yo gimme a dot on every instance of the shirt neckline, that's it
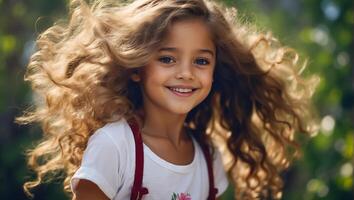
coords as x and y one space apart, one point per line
173 167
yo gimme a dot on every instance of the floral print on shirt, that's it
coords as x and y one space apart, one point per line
181 196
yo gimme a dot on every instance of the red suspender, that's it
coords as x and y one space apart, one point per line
137 190
212 190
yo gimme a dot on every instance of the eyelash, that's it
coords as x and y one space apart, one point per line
206 61
162 58
168 57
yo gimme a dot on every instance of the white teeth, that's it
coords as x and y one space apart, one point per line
182 90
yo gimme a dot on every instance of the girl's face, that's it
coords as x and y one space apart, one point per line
180 75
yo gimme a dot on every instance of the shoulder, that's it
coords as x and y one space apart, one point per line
117 133
113 141
216 154
221 180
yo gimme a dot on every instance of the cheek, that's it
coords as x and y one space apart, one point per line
207 78
155 75
149 72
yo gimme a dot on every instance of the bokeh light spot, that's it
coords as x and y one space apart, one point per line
327 125
346 170
330 9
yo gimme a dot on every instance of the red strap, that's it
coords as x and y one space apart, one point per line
137 190
212 190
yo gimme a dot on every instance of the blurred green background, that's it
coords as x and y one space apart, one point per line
321 30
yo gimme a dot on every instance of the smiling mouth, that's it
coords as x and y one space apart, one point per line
184 92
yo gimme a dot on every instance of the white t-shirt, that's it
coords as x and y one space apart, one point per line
109 162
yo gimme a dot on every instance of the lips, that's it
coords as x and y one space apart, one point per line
182 91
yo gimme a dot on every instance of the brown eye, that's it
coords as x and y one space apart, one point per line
166 59
202 61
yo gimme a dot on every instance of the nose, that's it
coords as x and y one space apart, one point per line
185 71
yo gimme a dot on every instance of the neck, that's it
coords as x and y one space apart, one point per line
165 125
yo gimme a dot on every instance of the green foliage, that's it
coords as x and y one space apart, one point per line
321 30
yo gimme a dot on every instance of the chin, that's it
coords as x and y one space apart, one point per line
181 111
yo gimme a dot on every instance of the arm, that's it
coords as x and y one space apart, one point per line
87 190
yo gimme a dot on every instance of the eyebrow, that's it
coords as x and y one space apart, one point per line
175 49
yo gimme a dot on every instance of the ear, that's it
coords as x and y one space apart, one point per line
135 76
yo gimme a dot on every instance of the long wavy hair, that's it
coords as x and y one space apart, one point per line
81 70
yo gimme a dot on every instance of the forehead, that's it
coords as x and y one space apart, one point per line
189 34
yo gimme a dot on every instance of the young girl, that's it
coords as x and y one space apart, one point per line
139 98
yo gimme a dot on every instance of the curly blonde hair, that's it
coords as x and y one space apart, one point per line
257 105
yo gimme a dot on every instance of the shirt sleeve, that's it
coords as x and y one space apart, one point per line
221 181
100 165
